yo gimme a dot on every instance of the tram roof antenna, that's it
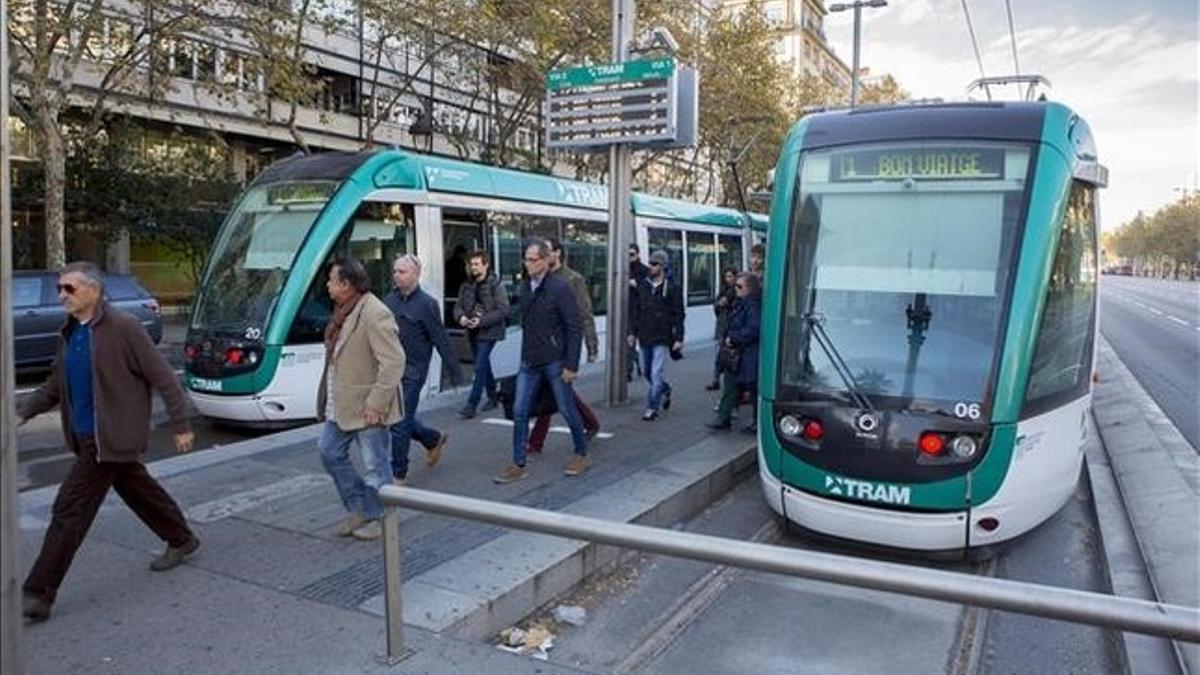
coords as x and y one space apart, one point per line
1032 83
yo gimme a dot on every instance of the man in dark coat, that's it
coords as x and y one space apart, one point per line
482 309
656 322
419 321
103 374
550 345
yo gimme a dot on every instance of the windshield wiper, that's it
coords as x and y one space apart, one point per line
816 324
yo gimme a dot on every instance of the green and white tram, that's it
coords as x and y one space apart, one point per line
929 322
253 350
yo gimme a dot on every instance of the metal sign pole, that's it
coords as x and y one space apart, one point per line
620 227
10 545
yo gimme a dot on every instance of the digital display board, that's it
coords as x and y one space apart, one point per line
918 163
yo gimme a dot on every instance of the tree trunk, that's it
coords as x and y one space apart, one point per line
54 157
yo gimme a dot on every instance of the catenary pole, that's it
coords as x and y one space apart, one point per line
10 595
620 227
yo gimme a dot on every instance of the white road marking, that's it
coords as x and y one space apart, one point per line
1177 320
1157 312
501 422
219 509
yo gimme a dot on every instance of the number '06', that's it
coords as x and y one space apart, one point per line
968 410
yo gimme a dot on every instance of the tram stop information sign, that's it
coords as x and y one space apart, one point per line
648 102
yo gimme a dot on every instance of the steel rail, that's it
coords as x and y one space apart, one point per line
1128 614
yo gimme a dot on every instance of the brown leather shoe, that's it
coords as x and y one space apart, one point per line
511 474
348 525
434 455
370 531
174 556
577 465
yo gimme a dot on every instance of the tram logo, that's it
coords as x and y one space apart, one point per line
867 422
867 491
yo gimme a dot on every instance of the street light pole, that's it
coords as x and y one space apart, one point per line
10 545
620 227
857 7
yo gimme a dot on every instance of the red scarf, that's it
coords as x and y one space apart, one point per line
334 329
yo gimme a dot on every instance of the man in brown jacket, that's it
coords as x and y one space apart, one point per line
359 396
102 376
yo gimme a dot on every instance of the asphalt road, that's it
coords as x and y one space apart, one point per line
1154 326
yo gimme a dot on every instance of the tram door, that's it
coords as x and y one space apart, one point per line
462 232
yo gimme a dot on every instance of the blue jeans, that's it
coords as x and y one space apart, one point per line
654 361
529 380
485 380
360 494
408 428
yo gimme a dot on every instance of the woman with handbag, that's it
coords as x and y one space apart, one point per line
738 355
722 305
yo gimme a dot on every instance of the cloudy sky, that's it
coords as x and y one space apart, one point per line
1130 68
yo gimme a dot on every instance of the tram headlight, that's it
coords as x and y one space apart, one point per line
964 447
790 426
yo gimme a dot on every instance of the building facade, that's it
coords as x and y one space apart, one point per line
800 39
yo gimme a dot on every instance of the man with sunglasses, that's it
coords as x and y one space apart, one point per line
103 374
656 321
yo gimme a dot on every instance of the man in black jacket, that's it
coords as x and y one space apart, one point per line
656 321
550 341
482 309
419 320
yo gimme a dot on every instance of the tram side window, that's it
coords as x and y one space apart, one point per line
586 243
509 232
729 252
1062 355
375 235
670 241
701 271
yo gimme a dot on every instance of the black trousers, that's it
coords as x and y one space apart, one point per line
79 500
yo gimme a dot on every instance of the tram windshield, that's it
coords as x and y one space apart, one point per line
900 260
254 252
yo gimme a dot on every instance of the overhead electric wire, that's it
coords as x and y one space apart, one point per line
1012 33
974 42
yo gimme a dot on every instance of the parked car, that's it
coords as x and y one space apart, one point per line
37 314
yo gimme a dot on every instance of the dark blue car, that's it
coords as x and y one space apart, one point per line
37 314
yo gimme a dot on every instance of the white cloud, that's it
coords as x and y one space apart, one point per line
1134 78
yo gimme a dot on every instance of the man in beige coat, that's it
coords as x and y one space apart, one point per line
359 395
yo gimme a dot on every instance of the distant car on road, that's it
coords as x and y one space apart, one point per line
37 314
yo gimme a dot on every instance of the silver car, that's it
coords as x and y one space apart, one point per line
38 316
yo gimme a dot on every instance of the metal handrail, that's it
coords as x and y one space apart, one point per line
1129 614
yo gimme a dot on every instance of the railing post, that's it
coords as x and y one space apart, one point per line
392 580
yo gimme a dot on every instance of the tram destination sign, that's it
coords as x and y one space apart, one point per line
648 102
610 73
957 163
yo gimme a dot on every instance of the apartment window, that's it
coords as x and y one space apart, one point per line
182 59
774 15
206 62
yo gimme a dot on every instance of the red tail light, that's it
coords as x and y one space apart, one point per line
931 443
235 357
191 352
813 430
